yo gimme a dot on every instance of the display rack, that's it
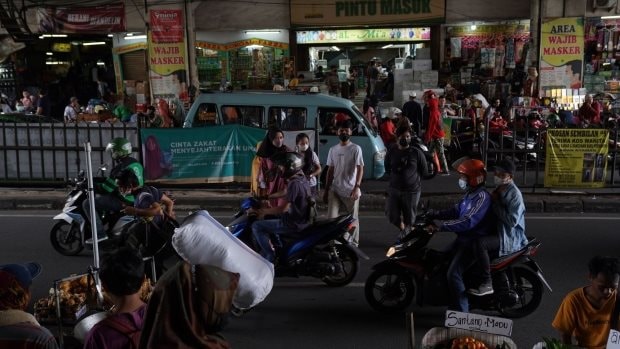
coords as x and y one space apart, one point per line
8 82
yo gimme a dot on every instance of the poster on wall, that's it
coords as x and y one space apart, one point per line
576 158
561 54
167 55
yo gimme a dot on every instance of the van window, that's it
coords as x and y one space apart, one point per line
243 115
288 118
206 115
329 118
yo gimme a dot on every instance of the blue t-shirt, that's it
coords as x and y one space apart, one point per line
147 196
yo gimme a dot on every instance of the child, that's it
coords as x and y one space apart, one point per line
312 165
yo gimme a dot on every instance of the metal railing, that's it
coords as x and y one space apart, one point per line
49 153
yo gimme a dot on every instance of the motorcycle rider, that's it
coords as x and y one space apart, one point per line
470 219
509 209
109 198
294 211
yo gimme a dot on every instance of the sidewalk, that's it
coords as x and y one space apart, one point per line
438 193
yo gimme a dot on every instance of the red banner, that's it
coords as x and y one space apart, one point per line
167 26
90 20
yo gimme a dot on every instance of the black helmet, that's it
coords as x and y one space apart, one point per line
291 161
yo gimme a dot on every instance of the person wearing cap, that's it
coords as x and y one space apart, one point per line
387 129
413 111
19 329
509 209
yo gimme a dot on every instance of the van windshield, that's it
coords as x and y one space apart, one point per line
360 116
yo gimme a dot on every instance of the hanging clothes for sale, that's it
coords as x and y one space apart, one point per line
455 47
510 54
487 58
498 70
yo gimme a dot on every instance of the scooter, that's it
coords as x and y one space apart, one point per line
322 250
413 271
68 236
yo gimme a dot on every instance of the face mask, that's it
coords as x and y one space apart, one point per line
277 143
403 142
462 183
302 147
344 137
500 181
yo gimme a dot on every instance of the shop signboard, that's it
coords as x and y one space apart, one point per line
84 20
200 155
576 158
561 54
364 35
241 43
321 13
167 55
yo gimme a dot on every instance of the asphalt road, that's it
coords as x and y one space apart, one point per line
303 313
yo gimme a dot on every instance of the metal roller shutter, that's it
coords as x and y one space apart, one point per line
134 65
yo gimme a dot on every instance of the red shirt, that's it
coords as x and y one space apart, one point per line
435 124
387 131
590 112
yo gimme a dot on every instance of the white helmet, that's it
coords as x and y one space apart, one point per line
394 112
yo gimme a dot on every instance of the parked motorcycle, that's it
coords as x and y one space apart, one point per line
69 234
321 250
413 271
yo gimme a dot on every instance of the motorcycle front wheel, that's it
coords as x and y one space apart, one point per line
529 290
389 290
349 264
66 238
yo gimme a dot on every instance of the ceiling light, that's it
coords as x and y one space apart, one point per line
93 43
335 48
134 37
53 36
386 46
263 31
610 17
473 26
110 35
49 53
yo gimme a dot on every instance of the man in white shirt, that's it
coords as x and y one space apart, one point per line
344 177
72 110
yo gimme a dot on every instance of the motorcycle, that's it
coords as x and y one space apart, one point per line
68 236
433 169
413 271
321 250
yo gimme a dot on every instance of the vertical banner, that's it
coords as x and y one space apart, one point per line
576 158
561 53
167 56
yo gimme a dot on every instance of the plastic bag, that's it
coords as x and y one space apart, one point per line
203 240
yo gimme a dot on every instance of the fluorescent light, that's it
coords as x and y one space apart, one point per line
110 35
335 48
263 31
53 36
134 37
610 17
100 63
49 53
386 46
92 43
56 62
254 47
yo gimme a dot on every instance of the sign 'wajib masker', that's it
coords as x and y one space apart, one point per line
330 12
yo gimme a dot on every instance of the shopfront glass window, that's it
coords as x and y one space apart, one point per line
288 118
206 115
329 118
242 115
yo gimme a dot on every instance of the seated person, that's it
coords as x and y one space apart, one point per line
294 210
151 205
19 329
122 275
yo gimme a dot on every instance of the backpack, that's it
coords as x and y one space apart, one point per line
126 329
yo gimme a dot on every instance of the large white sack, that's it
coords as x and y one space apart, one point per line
203 240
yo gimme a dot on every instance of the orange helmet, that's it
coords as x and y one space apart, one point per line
474 170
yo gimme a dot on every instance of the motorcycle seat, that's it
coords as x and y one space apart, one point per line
533 243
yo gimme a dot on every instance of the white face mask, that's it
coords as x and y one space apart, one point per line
462 183
302 147
500 181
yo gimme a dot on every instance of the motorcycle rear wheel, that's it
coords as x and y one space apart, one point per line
529 288
66 238
389 291
350 264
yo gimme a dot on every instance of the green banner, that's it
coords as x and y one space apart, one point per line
200 155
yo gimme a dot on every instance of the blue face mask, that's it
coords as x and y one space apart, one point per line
462 183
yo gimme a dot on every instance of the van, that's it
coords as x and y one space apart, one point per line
291 112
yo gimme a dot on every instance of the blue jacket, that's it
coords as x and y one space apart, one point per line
510 211
471 217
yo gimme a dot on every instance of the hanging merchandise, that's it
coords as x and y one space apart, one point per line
498 70
510 54
487 58
455 46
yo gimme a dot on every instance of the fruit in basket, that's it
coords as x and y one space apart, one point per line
467 342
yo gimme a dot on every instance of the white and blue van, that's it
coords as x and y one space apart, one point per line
290 112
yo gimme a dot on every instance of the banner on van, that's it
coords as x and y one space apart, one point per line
218 154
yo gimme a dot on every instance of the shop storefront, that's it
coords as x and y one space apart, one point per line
247 59
487 58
